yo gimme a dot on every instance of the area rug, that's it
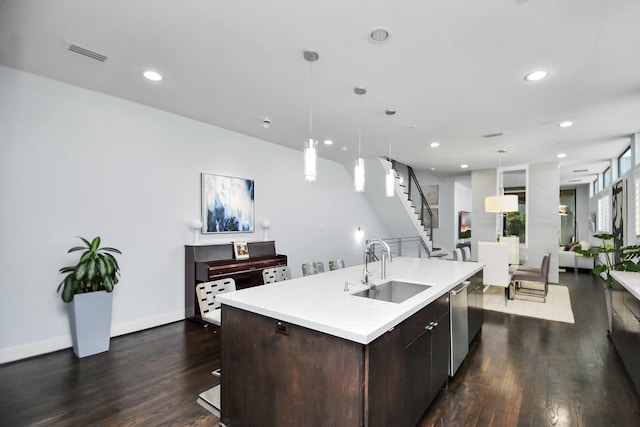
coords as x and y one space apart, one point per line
557 307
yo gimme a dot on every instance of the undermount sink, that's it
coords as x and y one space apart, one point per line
393 291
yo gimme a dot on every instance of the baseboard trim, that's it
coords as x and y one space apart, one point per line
50 345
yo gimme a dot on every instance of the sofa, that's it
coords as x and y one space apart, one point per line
568 258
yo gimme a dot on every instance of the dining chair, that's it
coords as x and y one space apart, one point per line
533 282
309 268
336 264
207 301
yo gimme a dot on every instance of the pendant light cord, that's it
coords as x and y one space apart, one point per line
360 127
310 100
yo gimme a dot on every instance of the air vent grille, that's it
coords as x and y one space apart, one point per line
86 52
575 180
580 170
492 135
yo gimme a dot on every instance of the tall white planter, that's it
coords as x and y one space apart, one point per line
90 316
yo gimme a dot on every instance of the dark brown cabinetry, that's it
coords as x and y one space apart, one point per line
204 263
625 330
475 298
426 356
293 375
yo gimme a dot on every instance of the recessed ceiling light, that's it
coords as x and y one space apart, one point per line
561 155
344 148
464 166
328 142
534 76
379 35
152 75
432 169
566 124
435 144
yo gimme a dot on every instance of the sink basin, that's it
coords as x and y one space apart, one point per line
393 291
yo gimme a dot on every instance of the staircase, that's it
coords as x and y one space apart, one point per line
407 213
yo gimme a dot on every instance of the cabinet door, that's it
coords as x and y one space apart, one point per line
417 378
440 346
631 321
617 323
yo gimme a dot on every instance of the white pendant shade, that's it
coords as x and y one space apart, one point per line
499 204
310 160
390 183
358 175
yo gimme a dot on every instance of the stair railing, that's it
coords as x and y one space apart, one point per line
424 210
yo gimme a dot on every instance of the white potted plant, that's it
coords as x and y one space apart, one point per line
87 287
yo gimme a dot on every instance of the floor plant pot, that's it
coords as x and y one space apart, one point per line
90 315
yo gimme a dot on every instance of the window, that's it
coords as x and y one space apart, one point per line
515 222
595 188
604 214
624 162
567 212
606 177
636 203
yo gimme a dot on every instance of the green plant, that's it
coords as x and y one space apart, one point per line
625 258
96 270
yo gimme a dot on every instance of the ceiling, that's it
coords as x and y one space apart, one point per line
452 69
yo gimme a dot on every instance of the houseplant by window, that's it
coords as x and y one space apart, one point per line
87 286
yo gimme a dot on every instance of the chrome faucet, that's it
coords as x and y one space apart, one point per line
383 268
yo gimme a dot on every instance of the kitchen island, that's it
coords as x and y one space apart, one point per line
309 352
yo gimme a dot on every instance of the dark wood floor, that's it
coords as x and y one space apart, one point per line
519 372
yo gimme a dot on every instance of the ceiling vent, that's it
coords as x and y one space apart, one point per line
87 52
580 170
493 135
575 180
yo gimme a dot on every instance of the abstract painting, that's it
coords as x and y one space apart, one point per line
619 217
227 204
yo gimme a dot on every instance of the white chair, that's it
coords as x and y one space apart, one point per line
210 312
207 301
514 249
495 256
336 265
319 266
276 274
309 268
269 275
457 254
466 253
283 273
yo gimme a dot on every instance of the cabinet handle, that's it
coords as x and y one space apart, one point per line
429 326
461 288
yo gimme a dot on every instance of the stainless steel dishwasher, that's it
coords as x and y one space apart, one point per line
458 312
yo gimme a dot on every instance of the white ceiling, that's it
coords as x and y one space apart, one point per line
452 69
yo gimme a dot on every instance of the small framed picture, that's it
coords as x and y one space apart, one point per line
241 250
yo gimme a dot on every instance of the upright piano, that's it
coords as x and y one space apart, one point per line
204 263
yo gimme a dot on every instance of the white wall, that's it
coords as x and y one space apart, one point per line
543 195
463 202
445 236
79 163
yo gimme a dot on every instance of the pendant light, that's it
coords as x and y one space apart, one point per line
310 145
390 179
501 202
358 172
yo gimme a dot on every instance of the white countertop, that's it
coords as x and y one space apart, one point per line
319 301
630 280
